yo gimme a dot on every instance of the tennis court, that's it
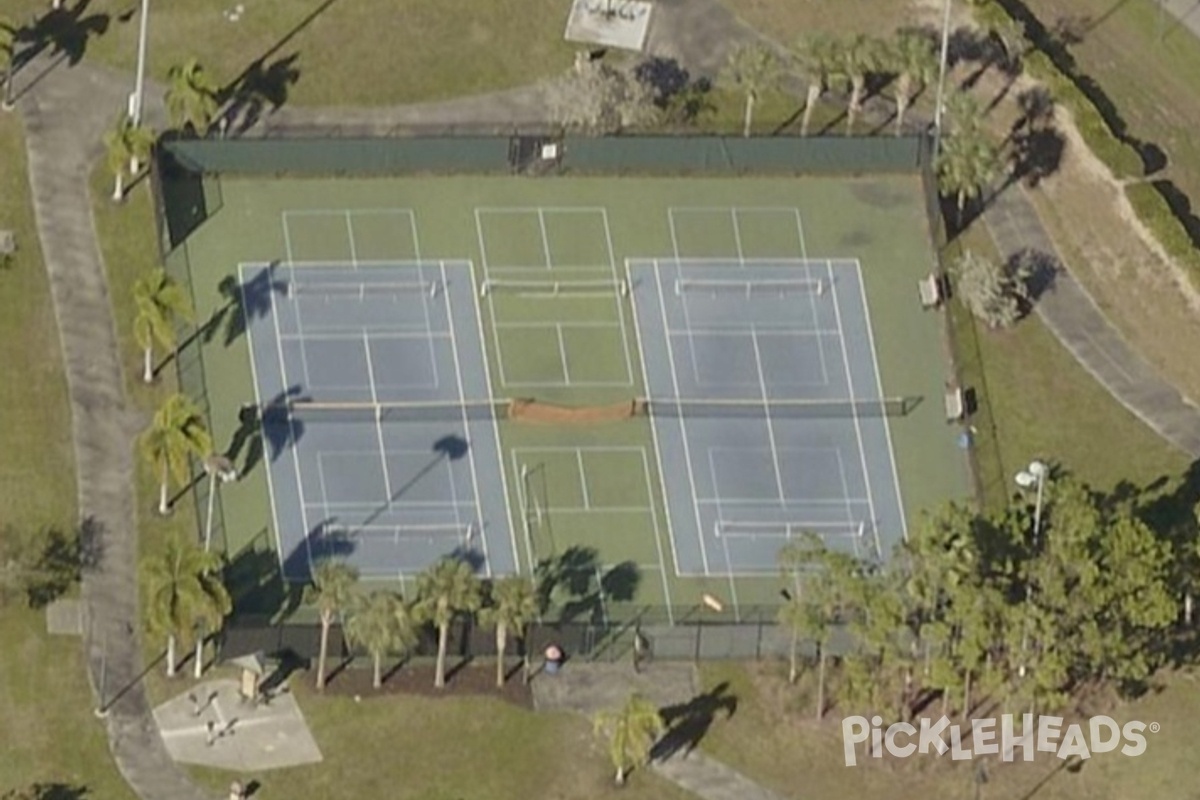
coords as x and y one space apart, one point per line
767 409
377 411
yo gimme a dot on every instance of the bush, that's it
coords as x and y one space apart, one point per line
1154 212
1120 157
995 293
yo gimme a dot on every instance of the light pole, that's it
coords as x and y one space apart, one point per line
941 85
1033 475
136 99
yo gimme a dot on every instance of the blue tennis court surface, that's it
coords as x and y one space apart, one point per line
355 474
740 483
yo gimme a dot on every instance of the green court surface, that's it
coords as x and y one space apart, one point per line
557 322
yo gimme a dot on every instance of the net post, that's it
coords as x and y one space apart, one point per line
433 288
483 288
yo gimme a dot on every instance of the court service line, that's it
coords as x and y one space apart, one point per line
562 354
862 453
616 274
259 405
462 398
357 335
762 331
887 428
587 501
350 233
387 478
812 303
543 325
545 238
598 448
662 565
737 236
305 534
687 451
787 501
637 330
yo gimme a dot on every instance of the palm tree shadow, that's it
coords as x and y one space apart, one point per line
59 791
247 436
688 723
63 31
578 585
279 428
262 89
244 303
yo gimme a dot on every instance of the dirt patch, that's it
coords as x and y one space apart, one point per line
471 680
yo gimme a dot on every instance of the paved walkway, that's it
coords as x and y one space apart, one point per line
65 115
1081 326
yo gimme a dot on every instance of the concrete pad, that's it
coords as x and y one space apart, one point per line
609 23
64 618
591 687
242 737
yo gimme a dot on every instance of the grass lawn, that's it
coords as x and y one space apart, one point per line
49 734
323 44
772 737
448 749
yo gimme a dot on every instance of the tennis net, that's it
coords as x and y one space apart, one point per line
359 289
307 411
550 288
778 409
749 288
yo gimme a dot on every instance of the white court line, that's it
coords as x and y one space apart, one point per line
412 224
561 384
357 335
687 452
387 479
287 237
862 454
544 325
545 238
415 504
350 233
491 308
637 331
306 532
674 237
762 384
762 331
612 264
466 424
429 332
598 448
773 504
812 302
662 565
562 354
587 501
737 236
526 526
258 402
737 610
300 337
887 428
482 246
841 464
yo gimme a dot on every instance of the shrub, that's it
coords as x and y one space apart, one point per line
995 293
1154 212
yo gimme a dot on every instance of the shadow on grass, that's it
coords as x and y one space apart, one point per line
688 723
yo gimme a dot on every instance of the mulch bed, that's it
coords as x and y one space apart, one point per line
471 679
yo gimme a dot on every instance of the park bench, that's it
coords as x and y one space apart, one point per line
930 288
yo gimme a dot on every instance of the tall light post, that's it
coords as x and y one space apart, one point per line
136 99
1033 475
941 84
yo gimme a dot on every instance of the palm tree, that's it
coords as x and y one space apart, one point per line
176 433
445 590
856 59
375 623
191 97
331 591
127 145
967 163
915 64
631 731
811 58
183 590
751 69
513 606
159 302
8 40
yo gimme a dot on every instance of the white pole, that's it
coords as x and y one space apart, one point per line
212 493
135 102
941 86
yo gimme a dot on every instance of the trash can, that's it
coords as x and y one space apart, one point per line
554 659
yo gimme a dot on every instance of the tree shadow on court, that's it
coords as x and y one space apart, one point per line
576 584
324 542
244 302
446 448
279 429
688 723
248 437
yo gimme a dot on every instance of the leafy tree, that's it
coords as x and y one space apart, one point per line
597 98
513 606
751 69
966 165
811 58
160 303
176 433
962 115
38 565
183 588
913 60
631 732
331 591
993 292
445 590
191 97
8 40
375 623
857 58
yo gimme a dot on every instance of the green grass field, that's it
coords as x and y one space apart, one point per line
597 486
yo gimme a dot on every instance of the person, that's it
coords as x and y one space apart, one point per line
237 791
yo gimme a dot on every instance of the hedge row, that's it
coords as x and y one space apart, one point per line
1122 158
1154 212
